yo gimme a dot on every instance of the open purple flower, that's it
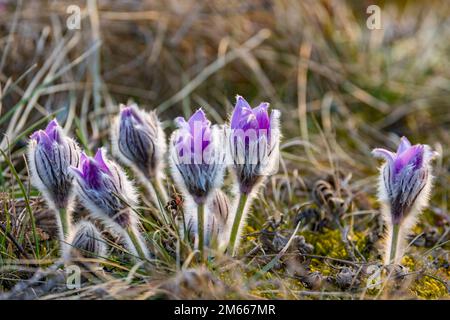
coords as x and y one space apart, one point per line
404 187
253 143
139 141
405 177
105 189
245 118
197 156
50 154
197 163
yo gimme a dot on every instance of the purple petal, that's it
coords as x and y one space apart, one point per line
51 126
206 137
52 130
83 158
126 112
183 143
100 161
403 146
249 123
77 171
181 123
262 116
384 154
131 112
44 140
241 103
36 136
241 110
90 171
198 116
413 155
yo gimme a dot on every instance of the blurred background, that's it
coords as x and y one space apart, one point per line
344 86
317 61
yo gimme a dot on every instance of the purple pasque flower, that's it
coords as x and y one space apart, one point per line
405 179
197 156
50 154
253 143
105 190
194 137
85 241
245 118
139 141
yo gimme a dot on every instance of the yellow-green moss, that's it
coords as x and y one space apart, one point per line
429 288
329 243
408 262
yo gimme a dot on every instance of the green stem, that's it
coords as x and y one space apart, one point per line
200 229
237 222
65 223
137 245
394 243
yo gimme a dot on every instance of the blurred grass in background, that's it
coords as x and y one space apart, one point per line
343 89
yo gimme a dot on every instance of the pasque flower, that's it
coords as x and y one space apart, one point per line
253 147
85 242
253 143
105 190
197 161
139 141
404 187
50 154
217 214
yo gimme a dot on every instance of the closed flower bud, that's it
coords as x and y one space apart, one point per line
404 187
217 214
50 154
139 141
197 156
253 143
85 241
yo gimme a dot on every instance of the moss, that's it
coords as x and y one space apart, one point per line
318 265
329 243
429 288
250 230
408 262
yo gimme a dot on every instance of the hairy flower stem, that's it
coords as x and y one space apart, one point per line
137 245
158 197
394 243
65 222
200 230
160 192
237 222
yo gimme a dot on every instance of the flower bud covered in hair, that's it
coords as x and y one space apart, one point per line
404 188
139 141
85 241
50 154
105 190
